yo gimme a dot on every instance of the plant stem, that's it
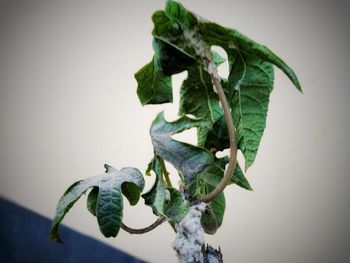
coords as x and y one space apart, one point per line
232 137
130 230
165 172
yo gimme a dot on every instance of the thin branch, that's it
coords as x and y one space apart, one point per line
130 230
232 136
165 172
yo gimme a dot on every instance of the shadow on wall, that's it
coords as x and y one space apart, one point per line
24 237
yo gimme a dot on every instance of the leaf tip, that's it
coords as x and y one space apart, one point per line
292 76
300 89
54 234
109 169
57 240
297 85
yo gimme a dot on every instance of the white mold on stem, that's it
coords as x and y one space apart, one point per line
213 70
190 236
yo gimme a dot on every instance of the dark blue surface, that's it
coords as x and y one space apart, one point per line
24 238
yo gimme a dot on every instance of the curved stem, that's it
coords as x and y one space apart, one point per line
233 147
130 230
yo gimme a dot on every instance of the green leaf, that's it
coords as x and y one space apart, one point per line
171 60
129 190
232 40
252 79
239 179
109 169
188 159
173 24
214 173
197 96
149 168
247 90
171 31
218 206
165 28
132 189
177 12
178 27
176 209
109 203
217 138
155 197
214 214
153 86
91 203
251 72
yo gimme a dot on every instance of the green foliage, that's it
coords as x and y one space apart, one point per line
153 86
164 200
155 197
253 78
105 201
214 214
197 96
188 159
170 59
176 208
232 40
213 174
91 201
182 41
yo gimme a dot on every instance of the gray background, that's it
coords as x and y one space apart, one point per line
68 105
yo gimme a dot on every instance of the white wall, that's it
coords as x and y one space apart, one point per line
68 105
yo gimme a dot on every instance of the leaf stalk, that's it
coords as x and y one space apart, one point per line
232 137
130 230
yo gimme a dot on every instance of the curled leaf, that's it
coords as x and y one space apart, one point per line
107 204
155 197
214 214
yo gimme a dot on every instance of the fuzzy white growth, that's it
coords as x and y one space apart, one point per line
213 70
238 85
212 259
202 50
167 195
197 44
190 236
